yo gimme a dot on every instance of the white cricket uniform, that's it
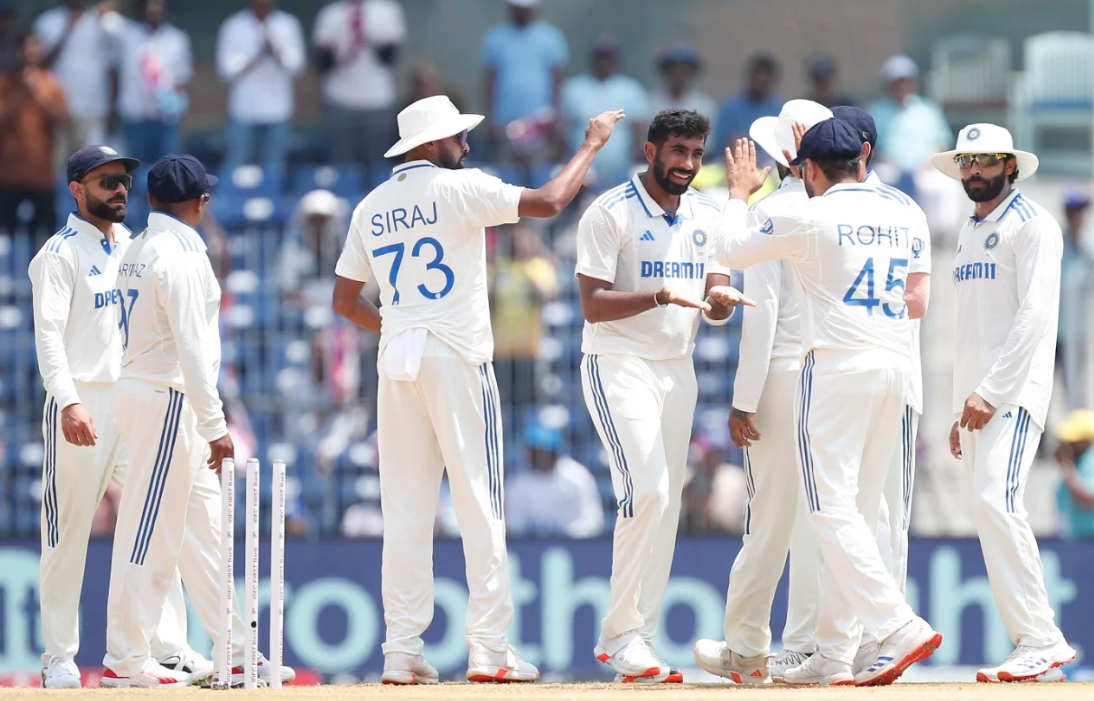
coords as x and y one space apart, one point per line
79 354
850 250
1007 273
639 381
168 409
766 384
422 235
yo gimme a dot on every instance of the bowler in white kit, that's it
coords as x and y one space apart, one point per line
1007 274
76 337
422 235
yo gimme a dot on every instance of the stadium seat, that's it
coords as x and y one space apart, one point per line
345 181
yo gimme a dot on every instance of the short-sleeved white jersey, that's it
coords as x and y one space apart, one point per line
625 238
74 278
170 317
1007 274
422 234
851 249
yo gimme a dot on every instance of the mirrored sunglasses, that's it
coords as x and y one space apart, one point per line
984 160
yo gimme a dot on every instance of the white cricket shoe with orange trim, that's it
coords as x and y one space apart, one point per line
715 657
486 665
153 676
401 669
1028 662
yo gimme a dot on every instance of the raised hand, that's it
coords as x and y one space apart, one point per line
742 178
600 128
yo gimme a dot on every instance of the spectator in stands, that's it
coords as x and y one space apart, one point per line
523 61
822 80
741 109
910 127
554 495
32 112
155 65
679 66
10 49
80 51
1077 270
425 82
605 88
260 51
522 279
1075 496
357 42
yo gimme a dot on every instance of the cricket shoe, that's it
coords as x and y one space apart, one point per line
265 670
629 656
153 676
866 655
61 674
787 659
486 665
715 657
1028 662
913 642
818 670
668 675
1053 675
191 662
402 669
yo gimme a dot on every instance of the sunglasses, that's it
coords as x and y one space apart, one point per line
112 181
984 160
462 138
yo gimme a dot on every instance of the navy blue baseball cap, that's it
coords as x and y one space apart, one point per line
681 53
179 179
860 120
89 158
832 139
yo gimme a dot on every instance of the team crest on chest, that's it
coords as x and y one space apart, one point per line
699 237
992 241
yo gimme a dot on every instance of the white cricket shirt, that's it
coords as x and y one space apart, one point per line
170 311
74 278
422 234
770 334
850 249
84 63
352 29
1007 273
625 238
264 93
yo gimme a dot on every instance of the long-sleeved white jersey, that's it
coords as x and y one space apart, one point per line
770 334
74 278
170 310
1007 273
850 250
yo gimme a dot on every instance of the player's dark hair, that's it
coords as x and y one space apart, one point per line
835 169
782 170
763 63
677 123
1013 176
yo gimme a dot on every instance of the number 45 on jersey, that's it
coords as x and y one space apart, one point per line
866 277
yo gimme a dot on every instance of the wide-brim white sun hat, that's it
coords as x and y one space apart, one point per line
985 138
430 119
776 134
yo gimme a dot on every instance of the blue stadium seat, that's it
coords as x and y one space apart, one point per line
346 181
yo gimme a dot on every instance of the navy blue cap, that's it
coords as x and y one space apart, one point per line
820 65
179 179
605 46
681 53
89 158
860 120
832 139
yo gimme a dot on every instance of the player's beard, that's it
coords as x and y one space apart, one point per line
452 161
112 210
661 175
990 191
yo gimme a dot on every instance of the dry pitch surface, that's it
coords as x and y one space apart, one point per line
598 692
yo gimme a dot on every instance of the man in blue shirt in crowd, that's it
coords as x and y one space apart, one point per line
1075 497
744 107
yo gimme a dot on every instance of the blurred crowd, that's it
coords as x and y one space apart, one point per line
120 72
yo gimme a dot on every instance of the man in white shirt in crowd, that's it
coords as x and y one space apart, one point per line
762 423
422 235
155 65
646 271
1007 274
79 355
851 390
260 51
555 495
172 421
357 42
80 52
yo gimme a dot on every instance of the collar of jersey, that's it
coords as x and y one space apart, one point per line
411 165
83 226
162 221
848 187
788 181
997 213
653 209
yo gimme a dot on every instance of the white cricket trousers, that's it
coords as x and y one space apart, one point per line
848 415
774 508
169 518
997 461
74 479
643 411
896 508
449 418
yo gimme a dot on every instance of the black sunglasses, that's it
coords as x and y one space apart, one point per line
112 181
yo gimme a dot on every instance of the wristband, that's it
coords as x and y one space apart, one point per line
656 303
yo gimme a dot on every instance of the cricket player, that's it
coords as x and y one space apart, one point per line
851 388
76 337
421 234
645 266
762 423
1007 274
172 421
